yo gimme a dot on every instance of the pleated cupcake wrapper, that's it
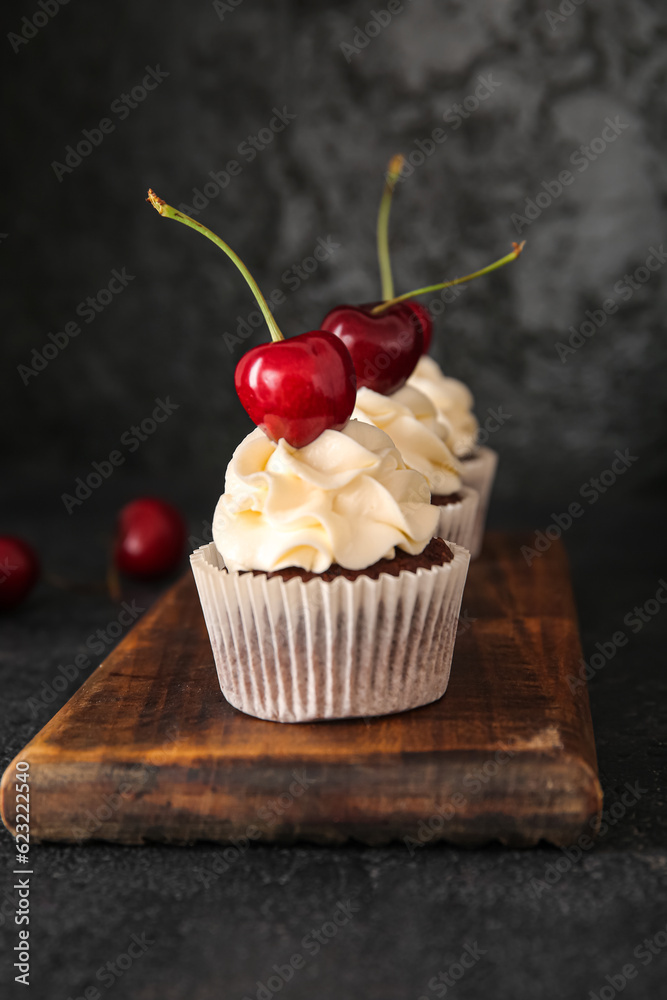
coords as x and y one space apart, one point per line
292 651
479 473
457 520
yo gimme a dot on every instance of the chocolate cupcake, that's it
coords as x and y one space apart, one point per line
310 611
324 591
454 402
411 421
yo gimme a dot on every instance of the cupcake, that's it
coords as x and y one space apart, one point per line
389 341
324 591
453 402
411 421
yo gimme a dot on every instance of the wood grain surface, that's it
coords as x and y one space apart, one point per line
149 750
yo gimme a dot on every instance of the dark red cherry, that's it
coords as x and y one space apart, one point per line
150 538
426 320
385 348
297 388
19 570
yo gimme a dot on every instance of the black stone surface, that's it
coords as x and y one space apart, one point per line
217 932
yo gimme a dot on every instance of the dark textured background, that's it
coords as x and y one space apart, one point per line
322 176
163 336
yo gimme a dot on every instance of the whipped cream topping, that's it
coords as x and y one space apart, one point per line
411 421
453 402
346 498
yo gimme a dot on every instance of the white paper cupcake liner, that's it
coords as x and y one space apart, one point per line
457 520
478 473
291 651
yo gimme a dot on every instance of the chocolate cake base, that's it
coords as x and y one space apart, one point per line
443 500
436 553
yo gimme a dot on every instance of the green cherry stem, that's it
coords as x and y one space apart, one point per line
393 173
507 259
172 213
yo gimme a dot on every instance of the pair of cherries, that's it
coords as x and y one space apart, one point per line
376 345
295 389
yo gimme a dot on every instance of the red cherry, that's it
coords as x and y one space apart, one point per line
293 389
299 387
385 348
426 320
150 538
19 570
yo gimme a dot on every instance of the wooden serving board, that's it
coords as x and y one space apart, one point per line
149 750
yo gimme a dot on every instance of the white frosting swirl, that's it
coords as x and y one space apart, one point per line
453 401
411 421
347 498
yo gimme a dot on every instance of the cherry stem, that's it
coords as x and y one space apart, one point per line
391 177
172 213
518 247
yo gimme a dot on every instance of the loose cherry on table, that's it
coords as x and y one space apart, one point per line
19 570
150 538
293 389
